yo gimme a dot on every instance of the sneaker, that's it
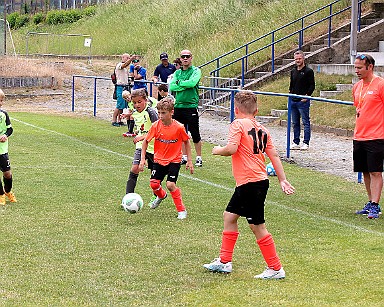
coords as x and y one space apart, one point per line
115 124
11 196
271 274
295 146
217 266
305 146
2 200
374 211
182 215
127 135
183 161
365 210
199 162
156 202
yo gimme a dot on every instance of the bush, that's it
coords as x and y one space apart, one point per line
89 11
38 18
11 18
72 16
55 17
22 20
16 20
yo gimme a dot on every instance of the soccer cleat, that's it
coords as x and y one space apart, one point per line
154 204
182 215
128 134
183 161
115 124
295 146
199 162
304 146
374 211
365 210
2 200
271 274
217 266
11 196
152 200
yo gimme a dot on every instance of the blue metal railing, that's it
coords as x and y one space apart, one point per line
273 41
232 96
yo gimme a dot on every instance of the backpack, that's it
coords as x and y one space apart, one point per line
113 77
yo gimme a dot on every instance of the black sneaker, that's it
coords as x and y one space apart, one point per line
199 162
183 161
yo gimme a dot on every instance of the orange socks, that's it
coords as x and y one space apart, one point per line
268 250
227 245
157 188
178 201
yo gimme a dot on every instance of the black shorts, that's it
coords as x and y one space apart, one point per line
5 164
248 200
137 158
189 117
368 156
160 171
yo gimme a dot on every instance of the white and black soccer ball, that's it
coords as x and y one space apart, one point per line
132 202
270 170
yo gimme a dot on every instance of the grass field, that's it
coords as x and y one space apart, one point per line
68 243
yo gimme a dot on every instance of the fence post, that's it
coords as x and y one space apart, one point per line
289 116
94 96
73 93
273 51
232 113
242 73
330 25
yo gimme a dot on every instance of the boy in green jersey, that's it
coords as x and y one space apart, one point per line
5 165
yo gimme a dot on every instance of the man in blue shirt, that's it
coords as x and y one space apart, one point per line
163 70
138 73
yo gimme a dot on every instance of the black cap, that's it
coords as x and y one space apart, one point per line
163 56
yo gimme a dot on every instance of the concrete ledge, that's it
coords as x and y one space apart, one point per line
11 82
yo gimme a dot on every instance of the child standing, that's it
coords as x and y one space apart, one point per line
169 136
5 165
143 117
128 116
247 142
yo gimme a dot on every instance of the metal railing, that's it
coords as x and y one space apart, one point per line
231 102
271 36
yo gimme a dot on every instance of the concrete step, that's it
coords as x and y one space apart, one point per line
369 21
381 46
333 40
342 34
278 113
314 47
286 61
327 94
344 87
267 119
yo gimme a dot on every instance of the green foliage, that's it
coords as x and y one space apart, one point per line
67 242
89 11
16 20
38 18
11 18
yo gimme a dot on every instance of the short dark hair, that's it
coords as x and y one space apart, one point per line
368 59
163 87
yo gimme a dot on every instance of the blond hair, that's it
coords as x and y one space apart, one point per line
139 93
126 95
246 102
166 104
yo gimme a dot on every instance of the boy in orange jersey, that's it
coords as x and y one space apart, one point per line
169 136
247 142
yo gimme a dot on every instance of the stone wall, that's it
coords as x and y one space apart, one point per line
10 82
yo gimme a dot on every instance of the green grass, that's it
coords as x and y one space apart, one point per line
67 242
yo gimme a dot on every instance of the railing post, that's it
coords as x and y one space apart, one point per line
359 18
73 93
359 177
246 59
94 96
273 51
330 25
301 40
217 73
232 113
242 72
150 89
289 116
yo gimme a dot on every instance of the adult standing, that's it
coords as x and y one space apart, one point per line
121 72
138 73
163 71
302 82
185 86
368 139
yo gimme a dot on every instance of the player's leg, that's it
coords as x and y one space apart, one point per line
157 176
173 174
5 166
134 172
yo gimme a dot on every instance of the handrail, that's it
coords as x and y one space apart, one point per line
215 72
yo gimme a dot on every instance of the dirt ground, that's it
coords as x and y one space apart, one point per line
327 153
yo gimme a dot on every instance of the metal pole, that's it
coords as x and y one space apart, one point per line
353 39
73 93
94 97
5 27
289 127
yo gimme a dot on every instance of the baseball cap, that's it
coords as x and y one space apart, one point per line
163 56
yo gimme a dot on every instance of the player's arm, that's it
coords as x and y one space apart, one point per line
188 150
278 166
227 150
192 81
174 85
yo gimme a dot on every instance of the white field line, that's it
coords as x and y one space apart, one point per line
311 215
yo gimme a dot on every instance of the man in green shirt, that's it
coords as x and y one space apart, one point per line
185 85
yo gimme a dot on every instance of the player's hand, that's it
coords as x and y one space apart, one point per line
3 138
287 187
141 166
137 139
189 166
215 150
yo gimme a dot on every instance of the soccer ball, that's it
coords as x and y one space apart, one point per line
132 202
270 170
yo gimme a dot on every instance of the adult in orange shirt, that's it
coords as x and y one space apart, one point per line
368 140
169 136
247 142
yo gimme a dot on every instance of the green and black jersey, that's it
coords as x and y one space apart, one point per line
5 128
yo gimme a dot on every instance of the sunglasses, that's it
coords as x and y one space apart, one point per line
186 56
364 57
135 61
